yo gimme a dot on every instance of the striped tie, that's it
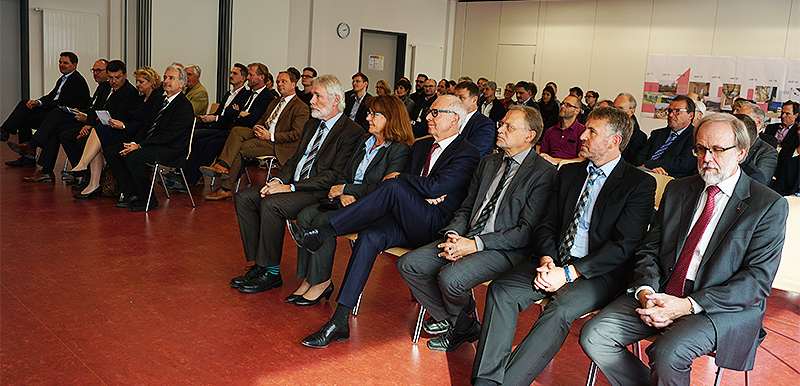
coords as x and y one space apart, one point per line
250 99
569 238
664 147
274 113
158 116
305 172
487 210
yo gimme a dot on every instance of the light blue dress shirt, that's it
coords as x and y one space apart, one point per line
581 246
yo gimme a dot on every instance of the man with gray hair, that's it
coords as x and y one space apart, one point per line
195 91
407 210
702 272
488 235
761 153
627 103
597 212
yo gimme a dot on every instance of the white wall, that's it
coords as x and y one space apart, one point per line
603 44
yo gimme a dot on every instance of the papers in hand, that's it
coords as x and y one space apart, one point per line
70 110
103 116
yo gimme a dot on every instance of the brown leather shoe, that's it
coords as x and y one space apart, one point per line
219 195
22 148
40 177
215 170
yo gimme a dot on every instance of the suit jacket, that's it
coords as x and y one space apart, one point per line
117 104
787 174
74 93
497 112
226 116
765 157
289 127
635 145
677 160
99 96
738 266
172 131
790 140
393 158
520 210
530 103
481 132
258 107
620 216
198 96
331 157
449 175
752 171
769 139
361 114
421 108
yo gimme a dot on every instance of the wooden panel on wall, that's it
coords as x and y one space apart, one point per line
480 36
518 22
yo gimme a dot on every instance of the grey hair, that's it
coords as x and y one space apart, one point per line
617 123
196 69
756 112
455 104
181 73
490 83
739 130
332 86
533 119
631 99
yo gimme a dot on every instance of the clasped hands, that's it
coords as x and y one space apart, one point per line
549 276
274 186
659 309
129 147
456 247
261 132
338 191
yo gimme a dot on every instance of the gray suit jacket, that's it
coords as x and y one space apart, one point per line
765 157
737 269
521 209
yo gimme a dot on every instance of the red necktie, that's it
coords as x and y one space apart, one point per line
677 280
427 166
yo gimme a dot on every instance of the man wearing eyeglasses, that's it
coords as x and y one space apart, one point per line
669 150
562 141
419 88
407 209
702 272
309 73
421 106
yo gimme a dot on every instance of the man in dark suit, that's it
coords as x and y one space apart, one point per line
785 132
762 154
476 128
702 272
419 113
328 141
222 118
787 172
407 209
419 89
487 236
669 150
526 94
70 90
627 103
600 211
277 133
356 100
164 138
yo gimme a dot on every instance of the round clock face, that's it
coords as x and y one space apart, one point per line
343 30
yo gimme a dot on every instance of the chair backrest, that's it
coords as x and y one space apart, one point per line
213 108
566 161
661 183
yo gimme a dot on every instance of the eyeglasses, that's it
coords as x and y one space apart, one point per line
716 151
373 114
435 112
500 125
675 111
304 76
96 70
570 105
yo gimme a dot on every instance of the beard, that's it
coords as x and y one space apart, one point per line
321 112
715 176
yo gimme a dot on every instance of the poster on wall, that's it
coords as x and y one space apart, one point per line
375 62
718 81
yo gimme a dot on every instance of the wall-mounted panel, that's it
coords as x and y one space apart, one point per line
480 37
514 63
519 21
740 33
676 31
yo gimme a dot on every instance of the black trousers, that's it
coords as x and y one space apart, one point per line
131 171
23 120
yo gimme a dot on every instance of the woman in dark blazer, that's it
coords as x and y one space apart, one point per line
385 151
491 106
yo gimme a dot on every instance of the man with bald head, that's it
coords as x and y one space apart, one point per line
761 153
627 103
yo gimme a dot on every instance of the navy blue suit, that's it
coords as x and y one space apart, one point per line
398 213
481 132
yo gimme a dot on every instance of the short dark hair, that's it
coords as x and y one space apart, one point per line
313 71
577 90
362 76
294 74
689 102
242 68
452 83
795 106
528 86
71 55
472 88
593 94
116 66
555 86
422 75
404 84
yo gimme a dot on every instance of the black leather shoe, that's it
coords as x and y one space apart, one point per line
141 206
431 326
4 135
92 194
260 283
303 302
309 239
452 339
127 202
292 298
67 175
22 162
327 334
252 271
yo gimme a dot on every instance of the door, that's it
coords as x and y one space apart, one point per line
382 56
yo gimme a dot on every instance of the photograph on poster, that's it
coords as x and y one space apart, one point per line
730 91
700 88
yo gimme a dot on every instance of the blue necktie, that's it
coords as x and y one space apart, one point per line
664 147
305 172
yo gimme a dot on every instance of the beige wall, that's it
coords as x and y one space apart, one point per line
603 44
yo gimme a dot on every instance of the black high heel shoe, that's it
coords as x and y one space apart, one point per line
92 194
293 298
303 302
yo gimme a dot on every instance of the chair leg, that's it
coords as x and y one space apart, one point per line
747 378
186 184
163 183
418 327
66 163
238 181
358 303
477 317
246 173
152 184
718 377
592 377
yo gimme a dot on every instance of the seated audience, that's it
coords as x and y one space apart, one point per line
703 292
488 235
408 209
580 270
669 150
785 130
277 133
328 141
627 103
419 92
421 107
386 150
787 174
475 127
491 106
563 141
163 138
763 155
402 91
578 93
195 91
591 98
548 107
441 87
222 118
748 166
356 100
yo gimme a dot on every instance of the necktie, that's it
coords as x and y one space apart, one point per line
354 110
60 85
158 116
487 210
275 113
427 166
677 280
108 98
569 238
664 147
306 170
250 99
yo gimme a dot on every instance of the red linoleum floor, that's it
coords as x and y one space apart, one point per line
95 295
